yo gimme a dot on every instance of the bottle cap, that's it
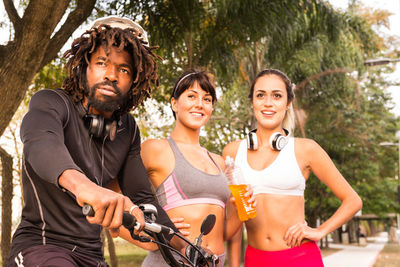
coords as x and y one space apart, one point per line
229 161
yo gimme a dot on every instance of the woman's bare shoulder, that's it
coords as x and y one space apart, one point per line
305 144
155 145
231 149
307 149
158 159
155 150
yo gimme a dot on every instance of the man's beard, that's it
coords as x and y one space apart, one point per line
109 103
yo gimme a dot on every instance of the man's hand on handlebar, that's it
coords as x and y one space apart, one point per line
109 215
137 213
108 205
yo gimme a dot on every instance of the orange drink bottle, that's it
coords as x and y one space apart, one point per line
238 186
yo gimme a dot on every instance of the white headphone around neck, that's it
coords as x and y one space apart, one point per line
277 140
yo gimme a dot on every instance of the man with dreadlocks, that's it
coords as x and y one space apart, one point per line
80 139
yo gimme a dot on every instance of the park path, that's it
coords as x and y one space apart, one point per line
356 256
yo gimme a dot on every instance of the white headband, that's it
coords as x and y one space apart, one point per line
184 77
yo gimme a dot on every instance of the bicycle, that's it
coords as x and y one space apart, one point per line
195 256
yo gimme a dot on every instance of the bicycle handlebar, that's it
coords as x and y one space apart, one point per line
157 231
130 222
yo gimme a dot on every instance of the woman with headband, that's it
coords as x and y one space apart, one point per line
277 166
189 180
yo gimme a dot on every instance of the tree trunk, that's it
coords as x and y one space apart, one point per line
6 207
35 44
336 236
111 249
372 228
351 226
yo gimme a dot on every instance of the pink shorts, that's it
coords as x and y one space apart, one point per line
307 255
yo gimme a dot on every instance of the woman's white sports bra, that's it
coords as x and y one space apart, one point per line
281 177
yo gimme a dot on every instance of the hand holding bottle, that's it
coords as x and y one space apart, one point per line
238 189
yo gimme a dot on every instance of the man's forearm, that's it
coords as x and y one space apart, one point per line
71 180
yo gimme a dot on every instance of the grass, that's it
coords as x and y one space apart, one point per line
389 256
128 254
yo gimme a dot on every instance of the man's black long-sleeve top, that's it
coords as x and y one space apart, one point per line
55 139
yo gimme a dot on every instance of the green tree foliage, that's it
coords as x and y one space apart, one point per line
50 76
349 116
349 125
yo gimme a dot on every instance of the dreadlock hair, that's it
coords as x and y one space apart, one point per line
143 58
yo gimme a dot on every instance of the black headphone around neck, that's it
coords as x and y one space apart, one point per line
277 140
97 125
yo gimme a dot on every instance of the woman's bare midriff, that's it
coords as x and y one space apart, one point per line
194 215
275 214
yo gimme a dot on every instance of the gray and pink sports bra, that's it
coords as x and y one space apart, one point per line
187 185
